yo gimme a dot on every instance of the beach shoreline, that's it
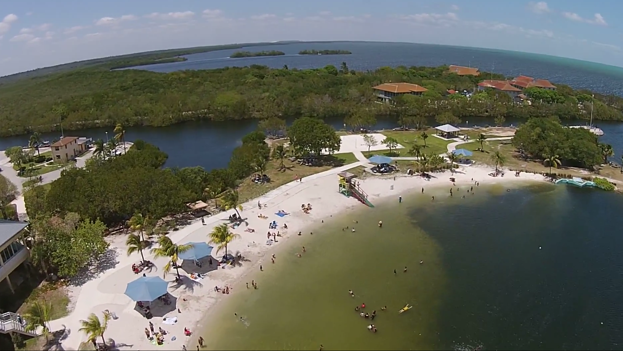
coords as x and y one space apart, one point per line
198 303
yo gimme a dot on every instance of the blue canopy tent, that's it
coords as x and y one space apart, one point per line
378 159
462 152
196 251
146 289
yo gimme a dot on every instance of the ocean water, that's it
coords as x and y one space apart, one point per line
372 55
537 267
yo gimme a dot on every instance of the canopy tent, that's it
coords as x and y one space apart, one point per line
146 288
462 152
378 159
197 251
196 206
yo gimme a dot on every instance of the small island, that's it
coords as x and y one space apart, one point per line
325 52
239 54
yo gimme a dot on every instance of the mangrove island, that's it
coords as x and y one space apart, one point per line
240 54
324 52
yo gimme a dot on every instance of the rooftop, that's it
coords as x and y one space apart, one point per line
400 88
9 229
464 71
527 82
64 141
447 128
498 85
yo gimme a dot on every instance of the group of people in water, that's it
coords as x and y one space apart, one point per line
363 314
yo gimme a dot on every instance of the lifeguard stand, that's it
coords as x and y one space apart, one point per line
348 186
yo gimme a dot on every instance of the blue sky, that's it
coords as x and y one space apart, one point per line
42 33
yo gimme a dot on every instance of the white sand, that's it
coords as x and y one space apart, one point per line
106 291
353 143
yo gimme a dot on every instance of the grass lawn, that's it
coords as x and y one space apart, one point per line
249 190
54 294
407 139
39 170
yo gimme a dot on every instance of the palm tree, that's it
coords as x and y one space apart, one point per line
498 159
93 327
100 147
453 158
280 154
138 222
553 161
120 134
231 200
606 151
38 315
35 141
169 249
415 150
481 139
135 243
260 165
424 136
112 146
221 236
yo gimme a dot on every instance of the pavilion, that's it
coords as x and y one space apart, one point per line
448 131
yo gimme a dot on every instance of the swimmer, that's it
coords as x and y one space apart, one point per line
304 249
363 305
352 294
405 270
298 255
394 272
384 308
421 261
380 224
433 198
352 230
357 308
300 233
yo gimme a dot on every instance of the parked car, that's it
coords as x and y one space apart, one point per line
383 168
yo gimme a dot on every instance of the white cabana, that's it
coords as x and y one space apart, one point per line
448 131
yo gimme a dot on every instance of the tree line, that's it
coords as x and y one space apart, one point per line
97 96
239 54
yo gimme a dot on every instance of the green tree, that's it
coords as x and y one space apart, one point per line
370 141
391 143
280 153
35 141
231 200
424 136
37 316
138 222
360 118
221 236
260 165
8 191
452 157
273 126
606 151
93 327
99 148
552 160
344 68
499 121
498 159
311 135
34 200
135 244
481 139
416 150
447 118
167 248
120 135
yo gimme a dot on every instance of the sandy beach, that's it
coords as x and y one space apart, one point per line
104 289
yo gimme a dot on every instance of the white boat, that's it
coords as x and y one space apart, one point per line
591 127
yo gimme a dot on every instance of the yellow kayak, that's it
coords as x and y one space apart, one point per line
406 308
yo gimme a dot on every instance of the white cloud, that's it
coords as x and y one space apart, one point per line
289 19
435 19
74 29
455 8
5 25
40 28
112 21
22 37
263 17
171 15
207 13
597 19
608 46
539 8
34 40
10 18
26 30
324 13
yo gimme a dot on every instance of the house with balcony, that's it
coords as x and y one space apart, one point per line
523 82
12 255
464 71
500 85
68 148
386 91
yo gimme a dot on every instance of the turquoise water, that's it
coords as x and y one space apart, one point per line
533 268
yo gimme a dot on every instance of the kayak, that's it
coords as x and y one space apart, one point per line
406 308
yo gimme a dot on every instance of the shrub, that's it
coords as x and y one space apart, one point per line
604 184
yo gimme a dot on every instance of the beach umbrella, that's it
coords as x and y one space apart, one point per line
462 152
146 288
378 159
196 251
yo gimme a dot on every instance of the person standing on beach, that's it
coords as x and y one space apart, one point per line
261 268
200 341
422 190
399 199
151 326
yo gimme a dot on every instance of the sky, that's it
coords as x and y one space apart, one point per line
36 33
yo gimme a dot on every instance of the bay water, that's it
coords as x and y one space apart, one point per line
534 267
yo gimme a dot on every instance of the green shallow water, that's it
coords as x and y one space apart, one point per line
484 281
